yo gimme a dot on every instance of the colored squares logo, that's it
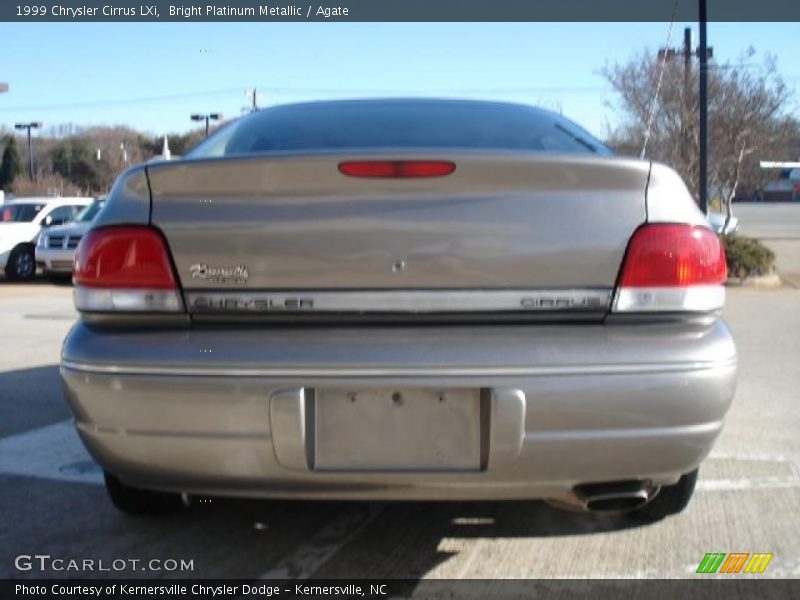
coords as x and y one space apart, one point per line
734 562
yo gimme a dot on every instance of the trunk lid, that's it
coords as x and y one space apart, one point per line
500 223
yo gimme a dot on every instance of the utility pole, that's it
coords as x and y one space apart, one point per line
29 126
252 97
703 53
687 63
704 56
686 124
687 53
3 89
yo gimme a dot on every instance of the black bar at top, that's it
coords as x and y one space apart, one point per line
397 10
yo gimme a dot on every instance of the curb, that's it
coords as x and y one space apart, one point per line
772 280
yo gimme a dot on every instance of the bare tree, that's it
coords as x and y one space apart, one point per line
749 120
46 185
71 159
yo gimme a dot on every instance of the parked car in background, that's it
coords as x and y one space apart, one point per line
22 221
401 299
55 251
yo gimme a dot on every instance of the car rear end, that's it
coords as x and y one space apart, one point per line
431 322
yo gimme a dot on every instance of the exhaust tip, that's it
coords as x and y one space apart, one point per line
617 503
620 496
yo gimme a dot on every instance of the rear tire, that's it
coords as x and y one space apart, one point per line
136 501
21 265
670 500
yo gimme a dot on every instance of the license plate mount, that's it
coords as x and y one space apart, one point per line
397 430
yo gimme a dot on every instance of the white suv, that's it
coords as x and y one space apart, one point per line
21 222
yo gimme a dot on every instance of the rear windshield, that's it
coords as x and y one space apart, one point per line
338 126
20 213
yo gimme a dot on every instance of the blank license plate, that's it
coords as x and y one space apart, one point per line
397 430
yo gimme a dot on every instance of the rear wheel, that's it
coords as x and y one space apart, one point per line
137 501
670 500
21 264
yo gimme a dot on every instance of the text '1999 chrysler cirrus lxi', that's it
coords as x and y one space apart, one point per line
402 300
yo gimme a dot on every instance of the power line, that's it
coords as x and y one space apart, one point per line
299 91
654 103
518 90
119 101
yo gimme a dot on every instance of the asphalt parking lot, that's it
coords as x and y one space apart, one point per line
748 496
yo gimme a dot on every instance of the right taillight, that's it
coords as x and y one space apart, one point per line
125 268
672 267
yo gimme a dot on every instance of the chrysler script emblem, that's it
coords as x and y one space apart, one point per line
219 274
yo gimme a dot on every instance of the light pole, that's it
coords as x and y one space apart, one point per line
208 117
29 126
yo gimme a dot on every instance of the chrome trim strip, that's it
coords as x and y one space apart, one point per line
669 299
396 301
88 299
91 428
598 434
337 372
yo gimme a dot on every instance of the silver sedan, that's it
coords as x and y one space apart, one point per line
401 299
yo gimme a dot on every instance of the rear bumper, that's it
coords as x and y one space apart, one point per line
55 260
230 411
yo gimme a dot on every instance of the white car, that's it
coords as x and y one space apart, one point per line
55 251
22 221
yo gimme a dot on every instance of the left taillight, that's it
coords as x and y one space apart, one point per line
125 268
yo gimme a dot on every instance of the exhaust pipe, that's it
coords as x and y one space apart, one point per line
616 496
